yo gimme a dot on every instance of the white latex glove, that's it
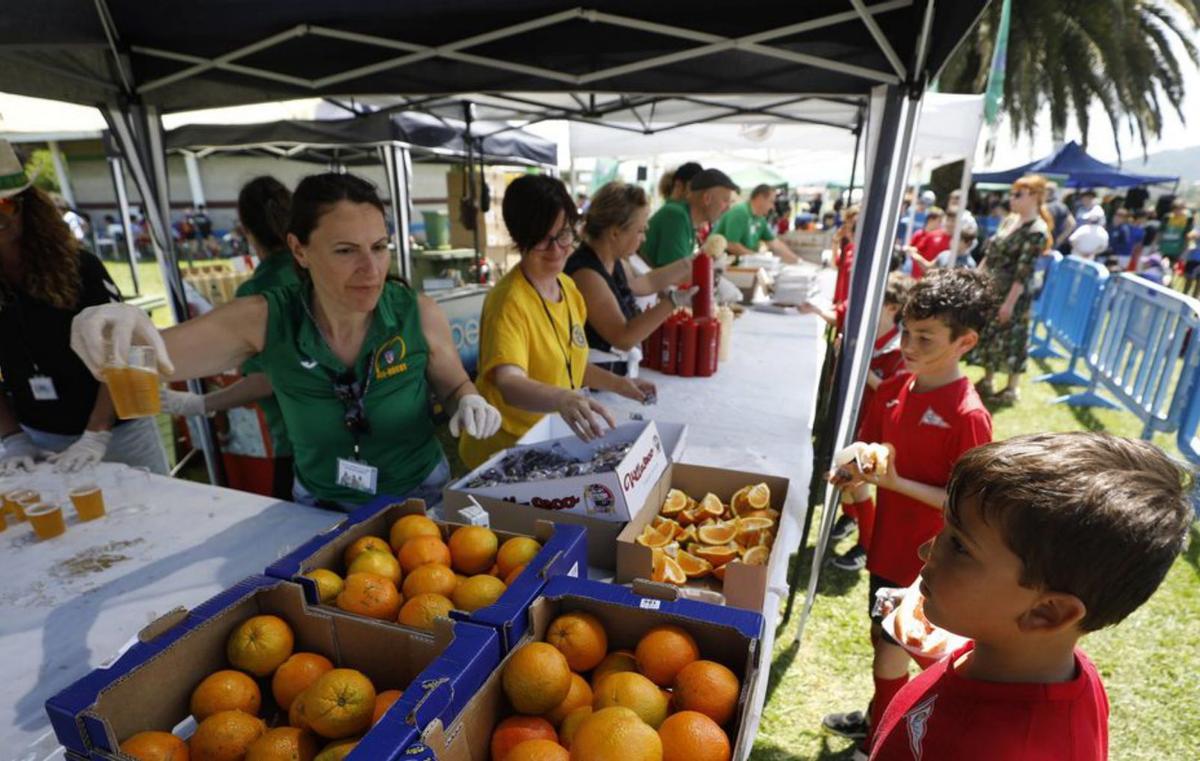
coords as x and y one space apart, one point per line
18 453
182 403
109 330
475 417
681 298
87 450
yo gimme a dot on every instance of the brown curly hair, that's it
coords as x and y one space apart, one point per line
49 252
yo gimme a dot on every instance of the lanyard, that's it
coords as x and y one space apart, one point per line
566 350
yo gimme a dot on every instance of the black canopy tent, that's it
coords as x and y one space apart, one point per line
613 61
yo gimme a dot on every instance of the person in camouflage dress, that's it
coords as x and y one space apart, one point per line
1011 257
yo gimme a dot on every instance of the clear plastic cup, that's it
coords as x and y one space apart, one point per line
89 501
133 386
22 500
47 520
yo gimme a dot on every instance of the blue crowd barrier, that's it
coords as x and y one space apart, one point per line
1069 313
1039 346
1143 351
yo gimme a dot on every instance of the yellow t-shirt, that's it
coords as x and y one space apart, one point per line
516 330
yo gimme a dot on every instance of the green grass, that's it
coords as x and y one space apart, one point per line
1149 662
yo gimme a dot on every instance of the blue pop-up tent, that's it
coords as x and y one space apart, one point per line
1079 169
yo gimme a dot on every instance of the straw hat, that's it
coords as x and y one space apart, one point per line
13 178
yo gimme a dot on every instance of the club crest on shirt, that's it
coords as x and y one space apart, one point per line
389 358
932 418
578 337
917 720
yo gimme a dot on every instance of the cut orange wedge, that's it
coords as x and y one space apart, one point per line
712 505
687 534
718 556
756 555
750 531
676 501
739 503
666 526
759 496
651 537
689 517
768 513
665 569
692 566
719 572
717 533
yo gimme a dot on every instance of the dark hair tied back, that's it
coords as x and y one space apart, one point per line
316 193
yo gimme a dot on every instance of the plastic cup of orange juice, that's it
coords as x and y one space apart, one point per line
133 385
3 522
88 501
47 520
22 500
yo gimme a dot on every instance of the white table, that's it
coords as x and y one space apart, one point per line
71 603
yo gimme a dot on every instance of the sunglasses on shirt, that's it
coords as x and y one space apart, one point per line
348 392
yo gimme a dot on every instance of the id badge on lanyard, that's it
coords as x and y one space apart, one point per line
357 475
42 387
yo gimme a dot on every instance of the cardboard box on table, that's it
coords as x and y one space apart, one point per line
745 586
150 685
563 552
729 636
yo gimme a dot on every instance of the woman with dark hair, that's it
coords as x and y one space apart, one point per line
613 230
351 355
264 205
51 405
532 346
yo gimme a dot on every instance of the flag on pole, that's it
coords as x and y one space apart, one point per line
994 95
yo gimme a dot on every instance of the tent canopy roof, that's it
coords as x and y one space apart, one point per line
1078 168
603 59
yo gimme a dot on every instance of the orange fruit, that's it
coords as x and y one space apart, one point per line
369 595
738 502
225 736
663 652
719 572
615 734
717 533
420 611
515 730
259 644
614 663
667 526
383 701
432 577
478 592
709 688
653 538
675 503
757 555
718 556
513 574
767 513
329 584
536 678
692 736
155 746
663 568
712 505
635 692
411 526
379 563
336 751
283 744
339 704
226 690
580 637
363 544
473 549
578 696
570 725
518 551
750 531
295 675
420 550
759 497
692 566
538 750
690 516
687 534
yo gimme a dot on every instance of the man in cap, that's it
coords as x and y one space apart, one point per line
671 232
745 226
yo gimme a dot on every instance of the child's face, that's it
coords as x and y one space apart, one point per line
971 580
928 347
887 318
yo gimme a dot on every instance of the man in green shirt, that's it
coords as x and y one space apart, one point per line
671 232
745 226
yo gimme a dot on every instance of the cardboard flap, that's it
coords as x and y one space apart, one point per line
163 624
656 590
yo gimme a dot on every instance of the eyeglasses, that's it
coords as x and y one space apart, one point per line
10 206
1019 194
347 390
566 238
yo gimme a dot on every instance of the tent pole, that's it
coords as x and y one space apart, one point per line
117 166
64 178
854 164
397 165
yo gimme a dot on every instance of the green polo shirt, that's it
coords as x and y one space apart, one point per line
670 235
277 270
394 355
741 225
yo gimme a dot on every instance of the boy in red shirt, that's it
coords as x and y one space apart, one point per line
930 241
927 418
1016 569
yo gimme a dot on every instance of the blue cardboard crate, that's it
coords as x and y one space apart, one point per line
150 685
564 551
727 635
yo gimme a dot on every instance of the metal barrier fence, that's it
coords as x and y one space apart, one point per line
1044 273
1070 301
1143 351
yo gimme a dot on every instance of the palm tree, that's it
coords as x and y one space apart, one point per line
1069 53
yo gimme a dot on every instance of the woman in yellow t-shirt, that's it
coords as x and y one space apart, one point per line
532 347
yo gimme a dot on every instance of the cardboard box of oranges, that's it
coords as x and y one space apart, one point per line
257 669
390 561
608 674
712 528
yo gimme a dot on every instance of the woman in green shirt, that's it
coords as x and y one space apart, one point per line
351 355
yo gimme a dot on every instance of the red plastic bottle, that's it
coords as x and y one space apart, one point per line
670 346
706 347
702 276
688 333
652 350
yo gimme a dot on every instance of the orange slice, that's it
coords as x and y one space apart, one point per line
686 534
756 555
718 556
759 496
768 513
667 526
665 569
750 531
689 517
711 504
719 572
651 537
692 566
675 502
717 533
739 503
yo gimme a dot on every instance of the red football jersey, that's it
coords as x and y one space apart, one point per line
943 715
929 246
886 360
930 431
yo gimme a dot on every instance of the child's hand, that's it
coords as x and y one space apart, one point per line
858 463
881 471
